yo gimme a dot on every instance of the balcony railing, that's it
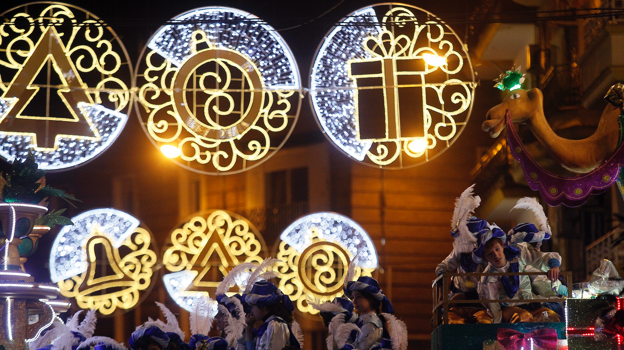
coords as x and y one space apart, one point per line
441 289
594 26
272 221
603 248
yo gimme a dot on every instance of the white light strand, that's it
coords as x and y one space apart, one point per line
9 319
68 256
46 326
257 40
334 228
71 151
7 242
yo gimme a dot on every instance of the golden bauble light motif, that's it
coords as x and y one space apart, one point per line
225 92
316 251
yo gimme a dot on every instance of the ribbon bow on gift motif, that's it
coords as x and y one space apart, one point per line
510 339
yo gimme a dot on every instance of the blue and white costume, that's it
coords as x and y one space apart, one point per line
275 333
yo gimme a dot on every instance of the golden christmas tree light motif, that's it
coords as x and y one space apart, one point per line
64 80
204 249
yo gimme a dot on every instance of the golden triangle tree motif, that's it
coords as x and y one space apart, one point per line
202 262
46 129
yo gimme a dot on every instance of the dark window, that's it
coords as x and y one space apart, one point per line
299 185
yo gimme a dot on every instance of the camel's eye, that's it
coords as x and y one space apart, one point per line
514 96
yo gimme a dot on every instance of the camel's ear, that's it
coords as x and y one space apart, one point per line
533 94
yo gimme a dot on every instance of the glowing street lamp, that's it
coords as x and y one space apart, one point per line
418 145
170 151
434 60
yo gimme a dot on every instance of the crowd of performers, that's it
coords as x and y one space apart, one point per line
481 247
259 319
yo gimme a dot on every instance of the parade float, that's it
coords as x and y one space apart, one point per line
26 305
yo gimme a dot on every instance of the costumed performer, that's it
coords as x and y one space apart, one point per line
464 228
274 309
528 239
341 323
502 258
231 312
155 334
379 328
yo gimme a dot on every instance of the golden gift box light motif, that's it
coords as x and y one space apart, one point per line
392 108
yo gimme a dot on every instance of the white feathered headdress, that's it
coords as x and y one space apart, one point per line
172 325
201 317
60 335
101 340
533 205
465 206
260 274
397 330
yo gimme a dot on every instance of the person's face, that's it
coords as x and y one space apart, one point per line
258 312
494 255
362 305
154 347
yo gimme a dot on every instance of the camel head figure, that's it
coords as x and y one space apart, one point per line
579 156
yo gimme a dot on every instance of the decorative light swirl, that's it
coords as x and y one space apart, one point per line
99 77
237 90
392 58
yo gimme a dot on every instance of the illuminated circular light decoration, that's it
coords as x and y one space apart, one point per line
125 248
220 85
316 251
392 86
204 249
64 80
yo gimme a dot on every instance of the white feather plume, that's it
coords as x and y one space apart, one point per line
150 323
326 306
297 332
333 326
350 275
230 335
104 340
172 322
200 319
55 331
238 325
533 205
65 341
255 276
344 332
465 206
87 326
397 330
72 321
230 280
